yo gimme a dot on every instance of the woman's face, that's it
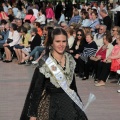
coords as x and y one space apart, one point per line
93 16
114 31
74 34
88 39
59 44
79 35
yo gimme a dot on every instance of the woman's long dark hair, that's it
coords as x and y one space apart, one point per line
82 33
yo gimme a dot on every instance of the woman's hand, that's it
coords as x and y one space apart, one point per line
5 45
98 57
32 118
71 51
21 44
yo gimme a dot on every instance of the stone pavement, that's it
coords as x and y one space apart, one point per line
15 80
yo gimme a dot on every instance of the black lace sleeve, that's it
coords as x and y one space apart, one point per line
36 95
33 96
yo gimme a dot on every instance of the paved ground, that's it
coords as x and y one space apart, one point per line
15 80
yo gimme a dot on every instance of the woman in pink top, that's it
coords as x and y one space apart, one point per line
30 18
115 56
49 13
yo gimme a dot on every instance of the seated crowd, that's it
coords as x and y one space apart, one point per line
95 46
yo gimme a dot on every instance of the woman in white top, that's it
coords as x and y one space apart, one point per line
14 38
41 17
70 37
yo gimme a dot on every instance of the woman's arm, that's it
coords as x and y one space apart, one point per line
33 96
115 56
36 94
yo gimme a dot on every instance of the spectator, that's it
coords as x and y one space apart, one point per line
10 14
49 13
30 18
76 17
115 31
23 12
86 21
5 8
70 37
58 10
37 25
8 5
102 54
99 9
78 46
98 37
106 19
27 26
26 37
15 9
63 25
36 52
19 24
94 22
3 15
105 66
35 11
115 56
62 17
4 34
36 41
15 39
41 18
19 13
89 50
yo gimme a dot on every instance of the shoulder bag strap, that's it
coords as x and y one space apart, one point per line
92 23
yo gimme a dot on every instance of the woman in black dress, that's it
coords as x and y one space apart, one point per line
78 46
48 98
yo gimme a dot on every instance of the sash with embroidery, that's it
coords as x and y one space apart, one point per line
62 81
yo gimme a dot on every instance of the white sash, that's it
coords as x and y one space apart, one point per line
62 81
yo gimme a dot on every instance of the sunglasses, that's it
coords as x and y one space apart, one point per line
79 35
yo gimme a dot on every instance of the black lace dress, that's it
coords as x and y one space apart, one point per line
47 102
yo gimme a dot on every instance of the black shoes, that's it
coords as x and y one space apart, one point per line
21 63
81 75
7 61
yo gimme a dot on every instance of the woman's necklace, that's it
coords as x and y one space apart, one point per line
60 62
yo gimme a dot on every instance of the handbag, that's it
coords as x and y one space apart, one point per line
84 58
9 40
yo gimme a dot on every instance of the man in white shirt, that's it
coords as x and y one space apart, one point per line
98 37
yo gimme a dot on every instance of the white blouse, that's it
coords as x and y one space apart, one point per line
41 19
